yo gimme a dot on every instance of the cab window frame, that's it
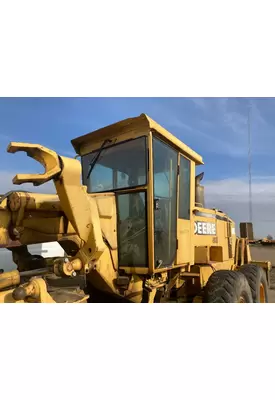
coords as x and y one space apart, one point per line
184 211
124 188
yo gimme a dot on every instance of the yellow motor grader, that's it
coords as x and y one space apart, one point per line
130 217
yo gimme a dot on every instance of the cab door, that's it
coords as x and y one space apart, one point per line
165 203
184 212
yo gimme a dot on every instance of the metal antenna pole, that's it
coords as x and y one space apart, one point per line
249 164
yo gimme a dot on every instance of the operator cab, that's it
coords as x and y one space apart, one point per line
152 174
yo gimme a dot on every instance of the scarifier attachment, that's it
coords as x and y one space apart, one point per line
46 157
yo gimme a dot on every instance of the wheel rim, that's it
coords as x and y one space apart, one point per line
262 294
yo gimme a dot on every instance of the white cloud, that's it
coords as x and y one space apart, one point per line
231 116
200 129
263 189
232 197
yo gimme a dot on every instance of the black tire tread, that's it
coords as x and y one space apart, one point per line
255 275
224 286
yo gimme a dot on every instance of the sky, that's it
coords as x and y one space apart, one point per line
216 128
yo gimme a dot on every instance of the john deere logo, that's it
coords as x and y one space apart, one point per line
205 228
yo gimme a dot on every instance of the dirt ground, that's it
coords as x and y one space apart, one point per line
262 253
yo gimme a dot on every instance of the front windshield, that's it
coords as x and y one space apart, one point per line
118 167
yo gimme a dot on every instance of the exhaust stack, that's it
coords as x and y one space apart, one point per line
199 194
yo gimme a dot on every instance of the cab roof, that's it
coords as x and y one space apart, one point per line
135 125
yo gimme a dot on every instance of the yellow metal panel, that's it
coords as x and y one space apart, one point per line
104 274
205 273
108 218
192 206
184 241
106 205
96 144
132 127
202 255
216 253
135 270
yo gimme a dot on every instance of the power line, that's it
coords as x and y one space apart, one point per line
249 162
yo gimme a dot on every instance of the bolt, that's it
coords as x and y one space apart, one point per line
73 274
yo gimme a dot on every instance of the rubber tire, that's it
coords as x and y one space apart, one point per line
226 286
255 276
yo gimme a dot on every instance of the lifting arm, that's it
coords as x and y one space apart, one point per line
79 208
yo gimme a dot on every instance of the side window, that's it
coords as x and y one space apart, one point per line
184 188
120 166
165 192
121 180
102 178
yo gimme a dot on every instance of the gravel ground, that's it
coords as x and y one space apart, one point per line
262 253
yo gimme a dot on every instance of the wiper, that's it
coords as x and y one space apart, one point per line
95 159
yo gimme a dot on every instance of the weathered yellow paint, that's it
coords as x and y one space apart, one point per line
129 129
48 158
85 224
184 242
9 279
